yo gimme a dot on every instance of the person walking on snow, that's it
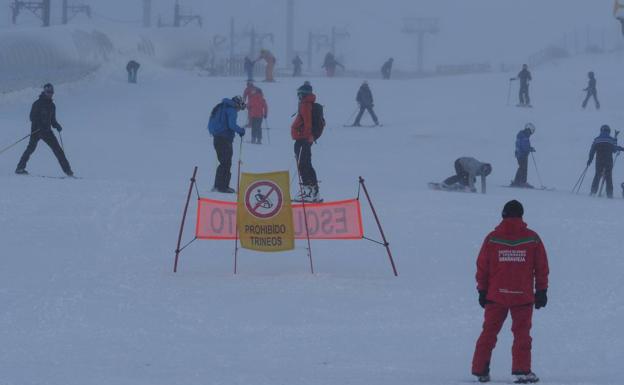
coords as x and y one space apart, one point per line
249 68
330 63
297 63
223 127
386 69
133 68
270 60
258 111
525 77
523 149
466 171
603 147
511 264
43 118
591 90
301 133
365 100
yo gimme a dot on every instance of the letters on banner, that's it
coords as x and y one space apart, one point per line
331 220
264 214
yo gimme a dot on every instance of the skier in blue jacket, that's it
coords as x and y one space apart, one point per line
523 149
223 127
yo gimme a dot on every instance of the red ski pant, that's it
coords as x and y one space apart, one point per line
495 315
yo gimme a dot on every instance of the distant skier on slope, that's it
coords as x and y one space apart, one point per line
618 12
258 111
270 60
249 68
364 99
525 77
223 127
523 149
302 133
591 90
297 63
330 63
132 68
512 264
466 171
43 118
603 147
386 69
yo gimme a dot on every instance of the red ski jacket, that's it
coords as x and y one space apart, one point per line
512 263
302 126
257 105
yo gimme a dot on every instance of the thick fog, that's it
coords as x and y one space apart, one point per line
495 31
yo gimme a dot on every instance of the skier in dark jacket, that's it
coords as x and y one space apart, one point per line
603 147
386 69
523 149
466 171
525 77
223 127
249 68
365 100
43 118
591 90
133 68
297 63
330 64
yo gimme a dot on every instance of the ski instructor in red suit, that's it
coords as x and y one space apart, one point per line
512 277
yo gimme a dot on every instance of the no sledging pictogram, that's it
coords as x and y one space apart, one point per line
264 199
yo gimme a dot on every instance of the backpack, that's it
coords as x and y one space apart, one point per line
318 120
218 120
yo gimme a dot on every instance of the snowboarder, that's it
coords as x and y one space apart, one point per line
270 60
222 126
301 133
603 147
133 68
525 77
365 100
523 149
297 63
386 69
591 90
249 68
43 118
330 63
258 111
466 171
511 263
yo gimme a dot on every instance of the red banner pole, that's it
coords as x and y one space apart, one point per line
188 199
383 236
240 151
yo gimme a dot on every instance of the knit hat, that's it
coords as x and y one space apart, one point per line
513 209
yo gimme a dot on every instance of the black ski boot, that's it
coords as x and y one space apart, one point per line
525 378
21 171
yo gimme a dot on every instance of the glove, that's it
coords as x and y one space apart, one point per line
59 128
482 298
588 162
532 149
540 299
241 134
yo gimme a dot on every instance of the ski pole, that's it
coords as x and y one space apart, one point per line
509 92
352 115
14 144
603 179
579 182
61 138
539 178
240 152
266 123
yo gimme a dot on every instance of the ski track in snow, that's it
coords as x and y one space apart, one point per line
87 289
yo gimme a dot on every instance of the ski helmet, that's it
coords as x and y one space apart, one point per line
239 103
605 128
531 127
48 89
590 74
304 90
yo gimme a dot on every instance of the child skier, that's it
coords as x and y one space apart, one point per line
258 111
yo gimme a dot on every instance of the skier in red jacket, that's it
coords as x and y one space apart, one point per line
512 264
301 133
258 111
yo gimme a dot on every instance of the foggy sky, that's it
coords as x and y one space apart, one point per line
471 30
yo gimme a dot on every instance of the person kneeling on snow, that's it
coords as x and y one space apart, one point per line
511 263
222 126
466 171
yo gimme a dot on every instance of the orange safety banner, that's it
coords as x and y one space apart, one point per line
331 220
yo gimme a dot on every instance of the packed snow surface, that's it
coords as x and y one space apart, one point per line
87 287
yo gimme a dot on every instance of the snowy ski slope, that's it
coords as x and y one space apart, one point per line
86 284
